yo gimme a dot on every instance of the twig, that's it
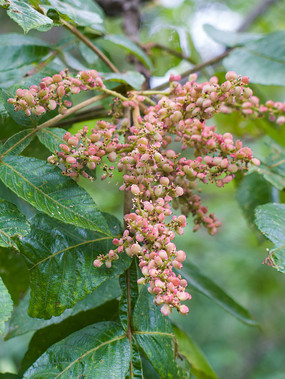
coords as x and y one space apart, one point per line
253 15
88 43
55 120
155 45
89 114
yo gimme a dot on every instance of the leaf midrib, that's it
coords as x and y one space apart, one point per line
69 248
89 352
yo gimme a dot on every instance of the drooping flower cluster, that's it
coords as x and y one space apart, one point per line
51 92
161 179
158 178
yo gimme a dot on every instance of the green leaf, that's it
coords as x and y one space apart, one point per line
51 138
153 334
270 220
12 223
45 337
262 60
101 350
125 43
228 38
13 266
60 258
43 186
6 306
200 367
254 190
272 167
132 78
27 17
129 289
80 12
18 142
207 287
17 51
22 323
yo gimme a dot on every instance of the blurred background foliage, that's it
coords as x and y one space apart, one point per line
234 257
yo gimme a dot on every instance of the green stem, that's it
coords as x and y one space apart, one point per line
114 93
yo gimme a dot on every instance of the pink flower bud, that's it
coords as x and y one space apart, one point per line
97 263
135 190
64 147
165 310
60 91
231 75
183 309
180 256
73 141
255 162
70 160
57 78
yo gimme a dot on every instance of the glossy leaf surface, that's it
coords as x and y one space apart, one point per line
154 335
43 186
98 351
80 12
18 142
60 258
51 138
27 17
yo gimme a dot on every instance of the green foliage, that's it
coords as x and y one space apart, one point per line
187 347
82 13
254 190
17 51
51 138
98 348
27 177
6 306
270 220
69 251
230 39
133 79
262 60
207 287
12 223
26 16
81 321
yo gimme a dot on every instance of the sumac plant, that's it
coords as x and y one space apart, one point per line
102 288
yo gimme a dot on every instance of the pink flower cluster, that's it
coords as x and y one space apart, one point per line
161 179
82 153
203 100
51 92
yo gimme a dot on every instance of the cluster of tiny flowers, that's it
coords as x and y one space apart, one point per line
203 100
160 179
51 92
81 154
